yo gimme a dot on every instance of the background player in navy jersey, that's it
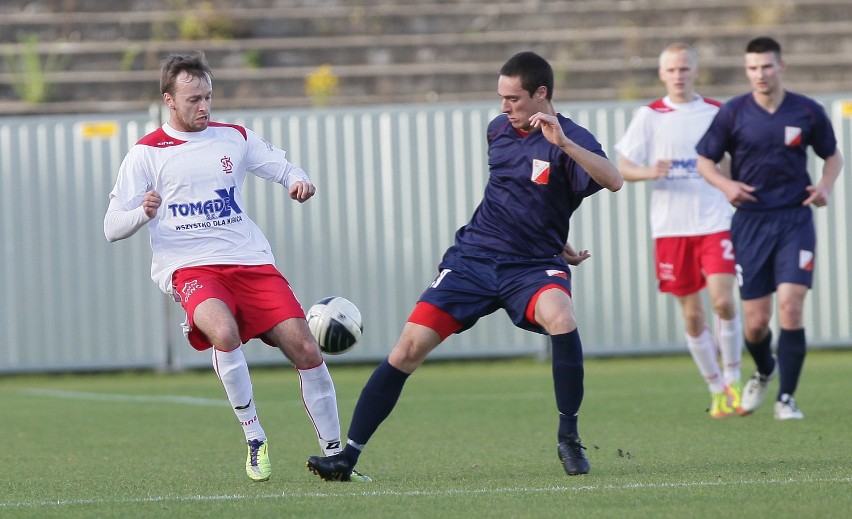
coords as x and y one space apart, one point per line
767 133
513 254
184 181
690 221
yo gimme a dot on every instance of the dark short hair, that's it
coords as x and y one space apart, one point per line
194 64
533 70
763 44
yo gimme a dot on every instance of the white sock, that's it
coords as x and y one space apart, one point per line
703 351
233 371
321 404
731 345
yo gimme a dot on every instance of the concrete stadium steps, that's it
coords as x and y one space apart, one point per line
415 52
147 19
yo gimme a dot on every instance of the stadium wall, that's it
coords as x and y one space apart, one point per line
394 183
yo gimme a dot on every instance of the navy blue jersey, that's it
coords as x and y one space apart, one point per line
769 150
533 188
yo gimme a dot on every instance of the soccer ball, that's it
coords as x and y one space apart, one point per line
336 324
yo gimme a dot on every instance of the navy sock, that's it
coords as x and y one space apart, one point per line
791 358
376 402
568 373
761 352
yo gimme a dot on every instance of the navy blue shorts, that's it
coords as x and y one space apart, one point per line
474 282
773 247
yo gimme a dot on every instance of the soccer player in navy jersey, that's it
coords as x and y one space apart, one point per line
513 254
767 133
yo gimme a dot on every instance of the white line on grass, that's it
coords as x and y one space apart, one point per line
167 399
112 397
416 493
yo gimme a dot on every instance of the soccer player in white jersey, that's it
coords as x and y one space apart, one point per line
184 181
690 221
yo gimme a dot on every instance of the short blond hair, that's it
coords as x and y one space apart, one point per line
679 47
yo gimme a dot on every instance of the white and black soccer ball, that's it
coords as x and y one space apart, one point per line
336 324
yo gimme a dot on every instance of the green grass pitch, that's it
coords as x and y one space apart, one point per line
467 439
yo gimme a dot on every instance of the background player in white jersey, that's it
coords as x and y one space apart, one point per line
184 182
690 221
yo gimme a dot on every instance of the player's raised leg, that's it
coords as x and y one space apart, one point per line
377 401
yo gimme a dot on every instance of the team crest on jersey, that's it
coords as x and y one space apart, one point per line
540 171
806 260
557 273
188 288
227 165
792 136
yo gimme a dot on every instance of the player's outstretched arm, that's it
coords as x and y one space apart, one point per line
633 172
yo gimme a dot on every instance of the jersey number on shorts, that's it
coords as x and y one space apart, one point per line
440 278
727 249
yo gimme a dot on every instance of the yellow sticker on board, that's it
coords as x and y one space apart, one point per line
99 130
846 109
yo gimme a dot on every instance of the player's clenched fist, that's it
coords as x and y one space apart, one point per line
302 190
151 202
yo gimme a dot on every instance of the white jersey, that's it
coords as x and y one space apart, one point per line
682 203
200 175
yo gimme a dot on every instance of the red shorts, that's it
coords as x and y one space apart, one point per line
684 262
258 295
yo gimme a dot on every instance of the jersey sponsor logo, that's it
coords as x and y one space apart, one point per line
792 136
540 171
557 273
189 288
806 260
212 209
227 165
683 169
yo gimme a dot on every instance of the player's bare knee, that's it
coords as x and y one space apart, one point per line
790 312
694 319
223 337
408 354
303 354
724 307
564 324
755 331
